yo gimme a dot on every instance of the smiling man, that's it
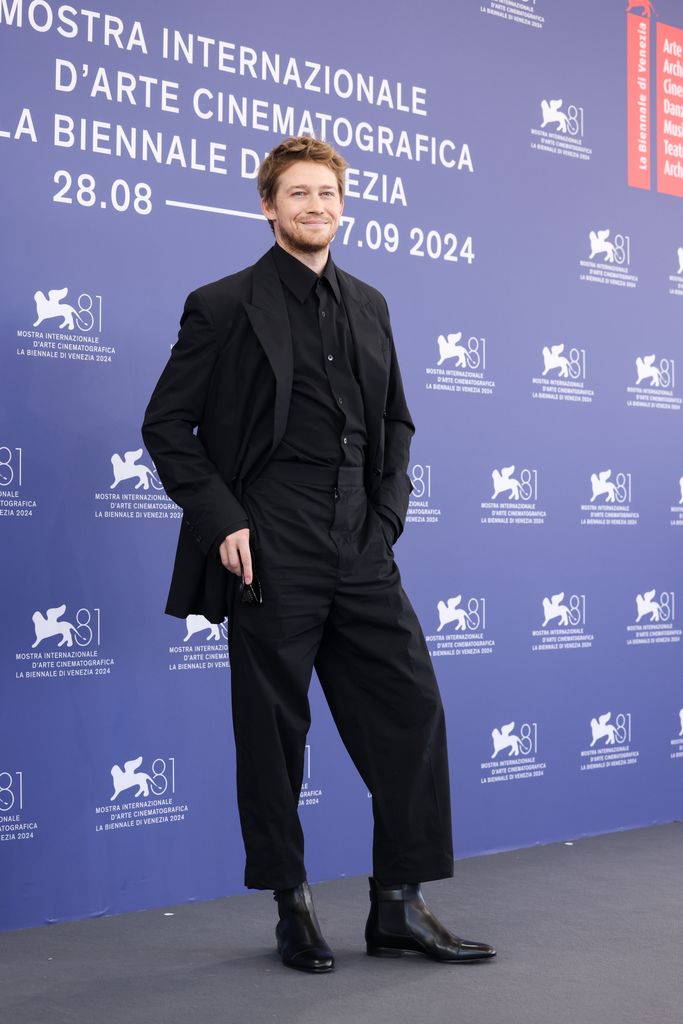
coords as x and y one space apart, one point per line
280 427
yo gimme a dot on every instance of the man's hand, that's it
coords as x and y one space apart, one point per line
235 554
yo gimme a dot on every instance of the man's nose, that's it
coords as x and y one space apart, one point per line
315 204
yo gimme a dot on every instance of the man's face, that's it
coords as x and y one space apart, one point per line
306 208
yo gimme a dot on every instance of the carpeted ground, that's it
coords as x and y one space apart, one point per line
590 933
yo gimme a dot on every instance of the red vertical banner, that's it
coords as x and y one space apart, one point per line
670 110
638 101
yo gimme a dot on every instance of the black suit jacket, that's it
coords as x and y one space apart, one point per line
220 409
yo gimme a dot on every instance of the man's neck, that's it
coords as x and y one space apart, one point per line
315 261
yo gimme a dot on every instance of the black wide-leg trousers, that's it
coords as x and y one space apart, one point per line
333 601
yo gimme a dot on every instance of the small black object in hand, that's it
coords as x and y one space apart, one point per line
250 593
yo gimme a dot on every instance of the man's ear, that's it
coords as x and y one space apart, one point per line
267 209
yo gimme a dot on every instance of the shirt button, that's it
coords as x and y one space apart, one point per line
341 401
345 440
323 313
330 358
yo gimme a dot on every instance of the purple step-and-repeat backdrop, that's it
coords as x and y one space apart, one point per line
515 182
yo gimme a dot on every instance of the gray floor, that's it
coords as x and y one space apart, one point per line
586 933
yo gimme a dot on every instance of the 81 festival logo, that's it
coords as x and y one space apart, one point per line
609 259
13 825
59 341
561 130
152 803
467 634
564 621
520 489
521 745
420 507
14 502
461 365
77 652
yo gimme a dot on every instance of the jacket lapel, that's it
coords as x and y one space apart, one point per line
372 347
267 314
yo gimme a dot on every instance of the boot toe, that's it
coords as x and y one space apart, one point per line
315 961
475 950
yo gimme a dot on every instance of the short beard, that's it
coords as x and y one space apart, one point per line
299 245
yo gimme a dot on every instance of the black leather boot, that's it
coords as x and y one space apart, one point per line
400 922
299 939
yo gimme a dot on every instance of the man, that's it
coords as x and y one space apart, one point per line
295 483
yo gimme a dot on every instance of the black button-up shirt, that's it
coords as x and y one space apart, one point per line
326 421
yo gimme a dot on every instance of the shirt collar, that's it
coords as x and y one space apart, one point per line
299 278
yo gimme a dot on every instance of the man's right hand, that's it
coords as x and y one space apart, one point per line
235 554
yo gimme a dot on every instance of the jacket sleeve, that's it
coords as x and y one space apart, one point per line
395 486
174 411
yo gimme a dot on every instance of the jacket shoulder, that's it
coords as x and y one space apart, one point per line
362 289
236 287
